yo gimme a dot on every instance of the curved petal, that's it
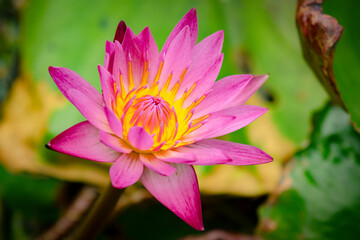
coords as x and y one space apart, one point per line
255 83
178 192
190 19
93 113
126 171
240 154
223 92
114 142
156 165
82 140
80 93
226 121
67 79
107 86
207 48
139 138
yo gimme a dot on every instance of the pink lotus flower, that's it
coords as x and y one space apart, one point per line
158 111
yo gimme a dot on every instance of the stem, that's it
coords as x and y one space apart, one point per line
99 214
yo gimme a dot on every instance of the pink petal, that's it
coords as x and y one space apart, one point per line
126 171
226 121
120 32
223 92
207 48
205 155
204 75
107 85
109 47
80 93
139 138
82 140
114 142
121 65
178 192
177 57
190 20
133 51
92 112
156 165
175 156
240 154
109 56
114 122
150 52
255 83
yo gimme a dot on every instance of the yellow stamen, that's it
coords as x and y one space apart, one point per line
131 80
196 121
123 92
145 74
158 73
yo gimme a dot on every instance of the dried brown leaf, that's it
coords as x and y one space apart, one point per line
319 34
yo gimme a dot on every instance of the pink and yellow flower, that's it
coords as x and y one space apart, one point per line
158 112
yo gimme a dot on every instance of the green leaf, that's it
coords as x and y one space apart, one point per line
347 55
323 201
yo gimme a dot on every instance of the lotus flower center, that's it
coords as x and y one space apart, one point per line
155 115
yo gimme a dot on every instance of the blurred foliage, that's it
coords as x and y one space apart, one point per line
347 56
9 31
27 203
323 200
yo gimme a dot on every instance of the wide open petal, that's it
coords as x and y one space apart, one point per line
126 170
203 75
80 93
82 140
139 138
178 192
223 92
208 48
255 83
190 19
240 154
226 121
205 155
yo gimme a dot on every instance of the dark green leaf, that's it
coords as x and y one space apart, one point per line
323 201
